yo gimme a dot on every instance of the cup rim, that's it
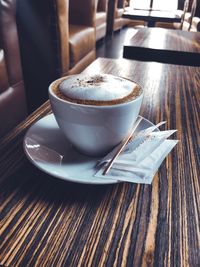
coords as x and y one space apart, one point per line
88 105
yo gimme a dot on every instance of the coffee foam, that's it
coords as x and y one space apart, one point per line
98 89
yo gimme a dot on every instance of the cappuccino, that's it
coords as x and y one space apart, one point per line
95 112
96 89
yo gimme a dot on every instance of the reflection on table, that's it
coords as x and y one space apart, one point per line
151 16
164 45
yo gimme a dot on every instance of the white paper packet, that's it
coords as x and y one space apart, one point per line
140 147
142 172
134 143
140 136
146 147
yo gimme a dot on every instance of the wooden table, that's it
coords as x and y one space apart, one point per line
45 221
151 16
164 45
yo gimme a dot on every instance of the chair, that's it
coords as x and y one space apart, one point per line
193 11
37 46
12 93
195 24
119 10
119 22
82 40
179 12
114 19
57 38
73 34
101 19
186 17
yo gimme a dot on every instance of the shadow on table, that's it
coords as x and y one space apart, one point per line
35 184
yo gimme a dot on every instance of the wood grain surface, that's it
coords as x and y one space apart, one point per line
164 45
45 221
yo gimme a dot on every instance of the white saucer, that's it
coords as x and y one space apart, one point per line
48 149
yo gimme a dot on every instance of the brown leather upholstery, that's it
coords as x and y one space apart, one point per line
119 22
12 93
75 34
57 38
119 9
4 84
61 12
110 16
101 19
115 10
38 47
82 40
82 12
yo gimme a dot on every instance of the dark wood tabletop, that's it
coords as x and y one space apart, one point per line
151 16
45 221
164 45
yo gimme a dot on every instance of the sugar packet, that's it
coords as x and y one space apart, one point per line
141 157
141 172
134 143
146 147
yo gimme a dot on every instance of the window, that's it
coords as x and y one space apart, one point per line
165 5
157 4
145 4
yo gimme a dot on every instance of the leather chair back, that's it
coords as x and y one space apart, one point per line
82 52
101 19
48 48
73 19
61 33
102 5
193 11
82 12
12 93
38 48
185 9
120 3
115 11
112 5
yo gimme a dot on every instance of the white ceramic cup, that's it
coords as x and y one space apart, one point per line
94 130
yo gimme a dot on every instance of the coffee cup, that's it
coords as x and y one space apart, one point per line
95 112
